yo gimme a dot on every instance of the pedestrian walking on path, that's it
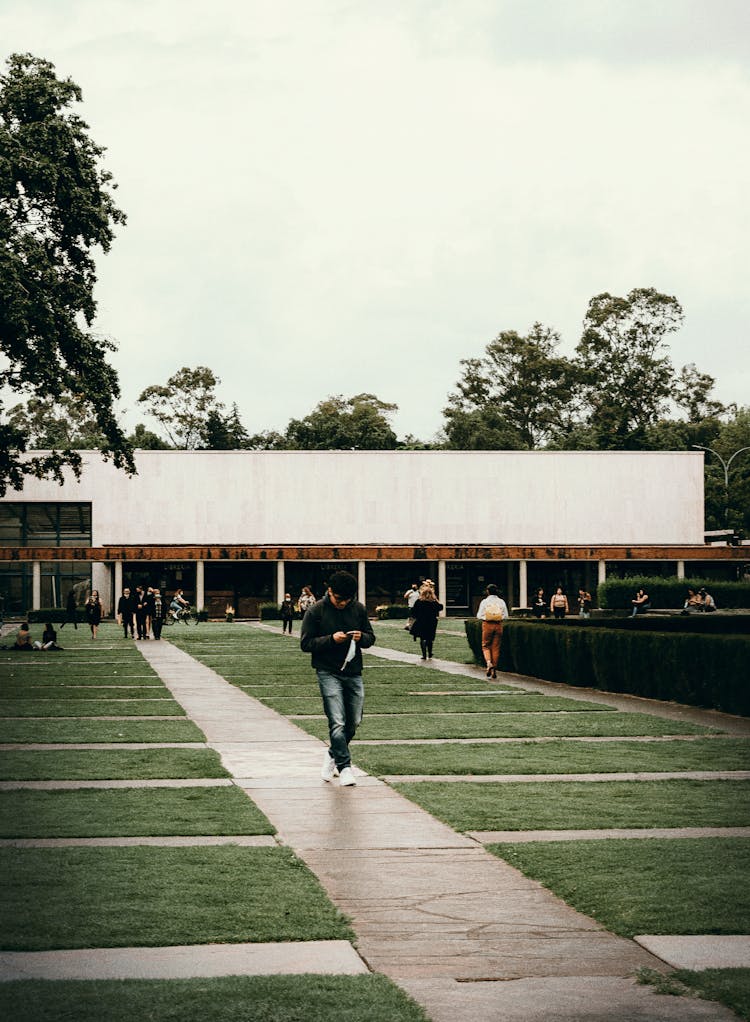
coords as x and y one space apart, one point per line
426 611
94 612
287 613
492 612
71 610
335 631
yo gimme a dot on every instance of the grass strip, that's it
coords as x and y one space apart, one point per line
76 730
226 999
129 812
509 725
116 764
90 708
558 757
121 897
681 886
729 986
385 703
581 805
107 692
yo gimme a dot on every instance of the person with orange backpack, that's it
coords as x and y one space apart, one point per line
492 611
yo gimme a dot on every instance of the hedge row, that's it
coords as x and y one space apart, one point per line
698 670
57 615
689 624
388 611
670 593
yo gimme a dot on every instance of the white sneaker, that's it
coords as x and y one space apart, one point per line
348 779
330 770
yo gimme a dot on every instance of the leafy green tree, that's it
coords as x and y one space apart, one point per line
628 379
519 395
224 432
143 439
182 405
728 506
357 423
48 425
56 207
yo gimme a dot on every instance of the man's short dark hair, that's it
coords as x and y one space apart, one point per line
492 589
341 583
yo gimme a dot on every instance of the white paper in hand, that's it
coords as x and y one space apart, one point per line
350 653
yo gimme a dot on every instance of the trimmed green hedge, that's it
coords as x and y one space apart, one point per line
694 623
57 615
670 593
699 670
269 612
392 610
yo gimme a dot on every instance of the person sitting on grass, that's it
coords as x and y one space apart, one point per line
23 639
49 638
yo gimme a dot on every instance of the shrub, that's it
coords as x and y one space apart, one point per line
269 611
57 615
697 669
392 610
695 623
670 593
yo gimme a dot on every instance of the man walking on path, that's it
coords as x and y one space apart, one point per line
125 611
335 631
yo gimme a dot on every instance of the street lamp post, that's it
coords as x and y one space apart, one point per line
725 466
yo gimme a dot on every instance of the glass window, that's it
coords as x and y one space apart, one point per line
45 524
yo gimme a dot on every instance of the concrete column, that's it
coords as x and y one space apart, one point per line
36 585
602 572
442 588
280 582
118 582
523 590
680 569
101 580
200 590
361 582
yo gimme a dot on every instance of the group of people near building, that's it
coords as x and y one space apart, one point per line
289 609
142 613
558 605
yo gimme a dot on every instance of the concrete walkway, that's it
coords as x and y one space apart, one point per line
463 932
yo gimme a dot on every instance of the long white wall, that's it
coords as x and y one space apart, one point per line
383 497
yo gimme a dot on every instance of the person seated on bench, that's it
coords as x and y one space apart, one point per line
694 601
707 601
641 603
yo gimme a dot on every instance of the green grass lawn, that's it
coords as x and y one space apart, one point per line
511 725
385 703
129 812
730 986
557 757
120 897
646 886
160 707
578 805
77 730
117 764
370 998
59 693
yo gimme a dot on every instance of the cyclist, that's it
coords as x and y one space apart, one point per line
178 605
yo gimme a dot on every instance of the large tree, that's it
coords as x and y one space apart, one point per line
56 208
628 378
336 423
183 404
518 395
67 424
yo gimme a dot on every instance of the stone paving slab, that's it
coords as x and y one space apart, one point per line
164 782
245 840
559 999
328 957
700 952
665 775
487 837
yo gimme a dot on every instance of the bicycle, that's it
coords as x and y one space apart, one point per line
187 615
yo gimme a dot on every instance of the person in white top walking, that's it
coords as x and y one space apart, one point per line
492 611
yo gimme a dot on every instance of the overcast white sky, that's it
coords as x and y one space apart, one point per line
337 196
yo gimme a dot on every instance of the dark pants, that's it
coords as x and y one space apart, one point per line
426 645
140 621
127 623
286 625
156 625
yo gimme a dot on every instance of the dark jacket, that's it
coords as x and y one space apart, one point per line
425 614
126 607
93 612
287 610
318 627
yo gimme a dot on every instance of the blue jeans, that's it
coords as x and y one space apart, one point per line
343 702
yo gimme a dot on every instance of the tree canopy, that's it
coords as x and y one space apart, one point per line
183 404
56 207
357 423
